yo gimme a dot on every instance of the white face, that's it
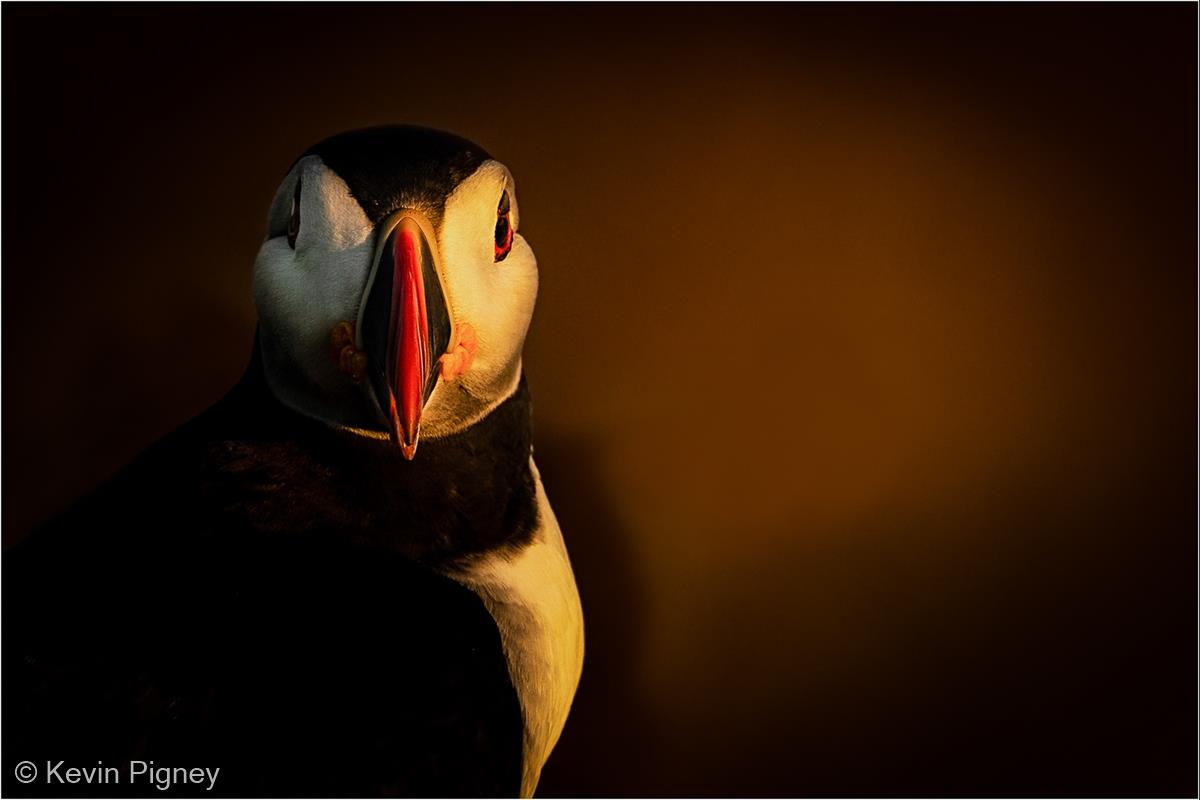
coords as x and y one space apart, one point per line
303 292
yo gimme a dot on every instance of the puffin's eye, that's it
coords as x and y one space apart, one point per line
504 231
294 219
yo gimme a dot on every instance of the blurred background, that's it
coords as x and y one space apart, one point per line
864 361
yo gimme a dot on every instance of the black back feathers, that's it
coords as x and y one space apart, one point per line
261 593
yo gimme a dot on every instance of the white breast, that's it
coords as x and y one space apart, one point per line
532 596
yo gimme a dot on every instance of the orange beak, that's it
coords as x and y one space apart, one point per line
406 321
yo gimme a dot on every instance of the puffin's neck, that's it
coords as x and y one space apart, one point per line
462 495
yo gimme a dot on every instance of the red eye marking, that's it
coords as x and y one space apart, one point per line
504 230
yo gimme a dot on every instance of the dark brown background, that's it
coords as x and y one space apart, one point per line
864 358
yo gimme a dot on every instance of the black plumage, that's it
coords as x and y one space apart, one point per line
260 592
400 166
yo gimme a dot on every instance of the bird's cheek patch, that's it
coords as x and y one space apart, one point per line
460 354
349 360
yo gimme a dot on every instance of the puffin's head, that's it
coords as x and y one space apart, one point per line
393 289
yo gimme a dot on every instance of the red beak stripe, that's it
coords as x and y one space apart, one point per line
409 338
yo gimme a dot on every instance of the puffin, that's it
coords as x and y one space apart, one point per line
345 577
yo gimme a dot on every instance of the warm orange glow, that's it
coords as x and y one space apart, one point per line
863 361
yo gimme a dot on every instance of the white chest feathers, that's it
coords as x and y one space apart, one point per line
532 596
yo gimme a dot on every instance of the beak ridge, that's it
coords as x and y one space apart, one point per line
407 325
